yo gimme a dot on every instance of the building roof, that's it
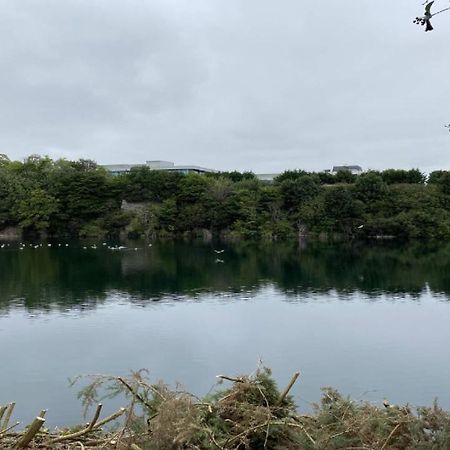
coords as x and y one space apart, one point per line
337 168
156 165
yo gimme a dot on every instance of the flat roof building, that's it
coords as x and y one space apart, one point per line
117 169
355 170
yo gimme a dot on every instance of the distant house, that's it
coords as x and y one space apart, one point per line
355 170
117 169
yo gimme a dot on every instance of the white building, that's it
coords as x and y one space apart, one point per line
355 170
117 169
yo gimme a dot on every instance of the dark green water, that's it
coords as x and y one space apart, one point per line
372 321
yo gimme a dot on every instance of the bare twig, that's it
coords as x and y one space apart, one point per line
10 409
288 388
86 430
234 380
135 393
2 411
110 418
96 416
390 436
3 432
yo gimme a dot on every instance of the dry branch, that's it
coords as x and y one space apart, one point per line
30 433
2 412
288 388
233 379
89 428
9 411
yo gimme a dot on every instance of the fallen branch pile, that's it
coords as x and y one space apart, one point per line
250 414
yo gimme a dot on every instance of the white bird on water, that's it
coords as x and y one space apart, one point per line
219 251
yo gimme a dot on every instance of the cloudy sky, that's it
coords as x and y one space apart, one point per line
258 85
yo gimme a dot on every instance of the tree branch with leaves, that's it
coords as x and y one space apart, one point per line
425 20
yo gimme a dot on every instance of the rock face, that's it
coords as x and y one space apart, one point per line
126 206
10 233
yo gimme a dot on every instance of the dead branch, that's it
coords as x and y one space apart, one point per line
288 388
10 409
89 428
30 433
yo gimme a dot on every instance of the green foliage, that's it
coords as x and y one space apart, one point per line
92 230
370 187
142 184
290 175
394 176
253 414
345 177
296 191
80 198
35 210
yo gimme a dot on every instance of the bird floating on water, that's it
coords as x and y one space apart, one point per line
219 251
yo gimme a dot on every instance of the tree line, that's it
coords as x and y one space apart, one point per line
46 197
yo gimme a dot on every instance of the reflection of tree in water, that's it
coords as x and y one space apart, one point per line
67 277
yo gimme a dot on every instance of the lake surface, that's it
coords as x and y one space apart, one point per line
371 321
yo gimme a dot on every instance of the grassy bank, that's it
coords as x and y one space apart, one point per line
247 412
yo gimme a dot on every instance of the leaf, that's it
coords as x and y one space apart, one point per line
428 8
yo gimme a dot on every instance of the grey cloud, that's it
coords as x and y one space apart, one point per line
254 85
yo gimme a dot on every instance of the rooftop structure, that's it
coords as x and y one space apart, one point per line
117 169
355 170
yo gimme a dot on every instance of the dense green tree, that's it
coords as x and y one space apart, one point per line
290 175
370 187
396 176
35 210
345 176
143 184
295 192
78 197
443 183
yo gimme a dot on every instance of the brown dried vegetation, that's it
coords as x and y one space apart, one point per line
251 414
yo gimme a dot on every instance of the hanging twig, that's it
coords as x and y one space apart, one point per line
135 393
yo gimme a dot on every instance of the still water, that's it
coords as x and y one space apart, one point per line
371 321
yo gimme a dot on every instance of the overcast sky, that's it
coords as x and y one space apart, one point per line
258 85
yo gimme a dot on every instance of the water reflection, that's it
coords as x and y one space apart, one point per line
49 277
